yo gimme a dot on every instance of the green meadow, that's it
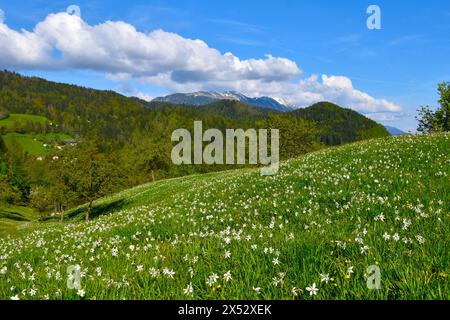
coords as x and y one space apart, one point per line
309 232
18 120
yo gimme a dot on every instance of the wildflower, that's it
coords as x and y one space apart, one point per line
168 273
406 223
294 291
358 239
386 236
312 289
396 237
227 276
16 297
140 268
275 261
420 239
154 273
364 249
189 290
212 279
350 270
257 290
324 277
276 281
227 254
114 252
81 293
3 270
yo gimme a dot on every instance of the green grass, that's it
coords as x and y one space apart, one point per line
382 202
27 142
21 119
13 218
34 143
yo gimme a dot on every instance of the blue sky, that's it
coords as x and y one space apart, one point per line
397 66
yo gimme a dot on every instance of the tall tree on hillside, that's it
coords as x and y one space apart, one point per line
62 194
438 120
41 199
297 136
88 172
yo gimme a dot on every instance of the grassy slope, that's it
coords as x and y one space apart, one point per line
316 216
13 218
27 142
22 119
30 142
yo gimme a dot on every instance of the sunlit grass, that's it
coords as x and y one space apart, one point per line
322 220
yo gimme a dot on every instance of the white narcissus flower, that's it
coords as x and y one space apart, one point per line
227 276
364 249
81 293
189 290
350 270
324 277
312 289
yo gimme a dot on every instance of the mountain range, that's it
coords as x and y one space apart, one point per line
201 98
394 131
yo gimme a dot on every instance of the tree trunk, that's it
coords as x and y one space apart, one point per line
88 212
153 175
61 212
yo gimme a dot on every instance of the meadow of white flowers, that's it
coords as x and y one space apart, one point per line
309 232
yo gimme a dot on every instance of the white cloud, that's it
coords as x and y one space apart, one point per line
171 61
118 48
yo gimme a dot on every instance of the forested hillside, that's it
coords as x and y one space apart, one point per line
341 125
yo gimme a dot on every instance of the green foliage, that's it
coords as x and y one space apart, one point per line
8 192
88 172
41 198
297 135
340 125
438 120
3 148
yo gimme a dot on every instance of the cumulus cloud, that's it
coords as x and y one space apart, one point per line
64 41
119 49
